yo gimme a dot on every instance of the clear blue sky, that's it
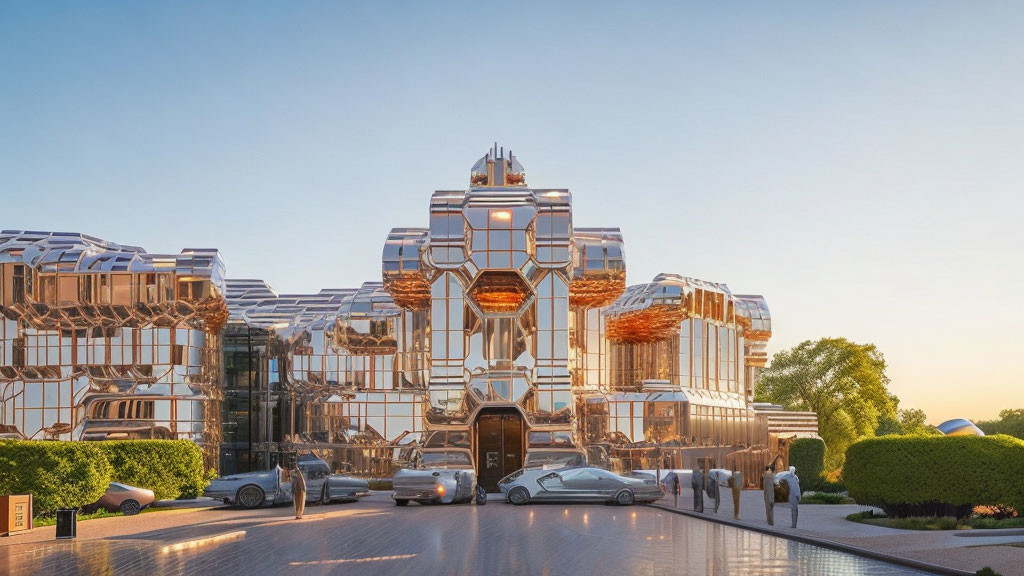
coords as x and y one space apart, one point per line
859 165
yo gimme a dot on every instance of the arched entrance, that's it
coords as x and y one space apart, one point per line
499 445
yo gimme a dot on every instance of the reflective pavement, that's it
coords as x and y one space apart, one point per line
375 537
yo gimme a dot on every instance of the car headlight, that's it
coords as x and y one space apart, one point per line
440 490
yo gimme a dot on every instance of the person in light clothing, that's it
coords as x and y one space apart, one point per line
794 495
769 494
298 492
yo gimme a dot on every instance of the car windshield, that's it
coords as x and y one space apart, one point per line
552 460
443 459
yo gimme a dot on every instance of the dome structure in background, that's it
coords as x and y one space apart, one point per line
959 427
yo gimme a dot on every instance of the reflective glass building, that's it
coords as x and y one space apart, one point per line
500 327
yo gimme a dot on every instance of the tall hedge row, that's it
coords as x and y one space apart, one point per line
74 474
57 474
921 475
808 456
170 468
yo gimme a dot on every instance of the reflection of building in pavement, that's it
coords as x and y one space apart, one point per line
501 328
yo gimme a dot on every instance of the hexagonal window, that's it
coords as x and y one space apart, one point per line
498 292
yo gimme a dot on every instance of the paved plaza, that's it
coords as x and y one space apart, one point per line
375 537
965 551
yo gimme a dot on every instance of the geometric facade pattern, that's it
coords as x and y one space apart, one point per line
104 341
500 305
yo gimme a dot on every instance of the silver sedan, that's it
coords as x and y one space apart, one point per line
445 476
255 489
583 484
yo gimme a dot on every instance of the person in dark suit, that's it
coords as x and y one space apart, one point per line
697 483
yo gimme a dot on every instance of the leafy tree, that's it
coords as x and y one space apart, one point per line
842 381
1010 422
909 421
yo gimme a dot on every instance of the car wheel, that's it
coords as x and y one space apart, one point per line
325 495
130 507
401 502
624 498
250 496
519 496
481 495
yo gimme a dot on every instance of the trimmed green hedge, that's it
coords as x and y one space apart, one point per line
935 475
57 474
170 468
808 456
75 474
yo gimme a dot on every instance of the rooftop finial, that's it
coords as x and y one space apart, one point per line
494 169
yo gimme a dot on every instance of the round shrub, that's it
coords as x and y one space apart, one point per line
57 474
935 475
808 456
170 468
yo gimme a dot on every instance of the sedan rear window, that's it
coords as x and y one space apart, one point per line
442 459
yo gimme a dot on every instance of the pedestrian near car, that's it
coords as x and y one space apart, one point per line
794 495
671 483
769 494
697 482
736 483
298 492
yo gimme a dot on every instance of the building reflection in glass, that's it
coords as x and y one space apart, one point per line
499 310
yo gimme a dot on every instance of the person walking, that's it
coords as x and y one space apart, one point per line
769 494
697 483
714 489
671 484
298 492
794 495
736 483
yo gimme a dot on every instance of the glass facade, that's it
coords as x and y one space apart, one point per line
501 310
101 341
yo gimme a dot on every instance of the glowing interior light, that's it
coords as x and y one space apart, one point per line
503 215
553 194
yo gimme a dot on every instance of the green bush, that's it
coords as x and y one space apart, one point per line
808 456
57 474
935 476
75 474
170 468
830 486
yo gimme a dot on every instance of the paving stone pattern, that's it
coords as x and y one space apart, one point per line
374 537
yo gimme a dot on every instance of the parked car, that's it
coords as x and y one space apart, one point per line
255 489
555 458
124 498
443 476
581 484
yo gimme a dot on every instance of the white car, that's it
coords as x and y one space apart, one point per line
582 484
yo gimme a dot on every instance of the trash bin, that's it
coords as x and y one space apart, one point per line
67 523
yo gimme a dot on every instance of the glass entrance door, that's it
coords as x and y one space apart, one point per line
499 447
